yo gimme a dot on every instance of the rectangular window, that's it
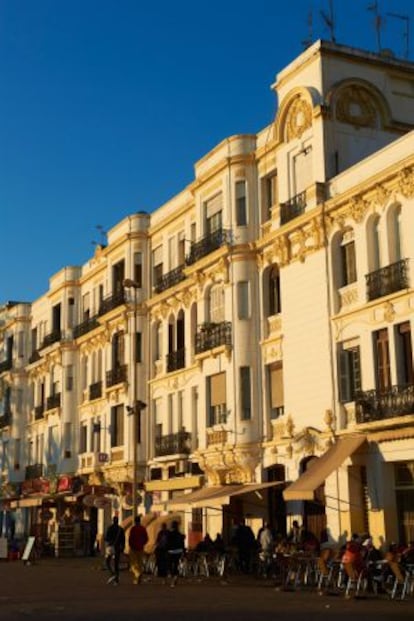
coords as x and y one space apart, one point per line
382 360
181 248
17 453
349 274
83 438
34 340
117 425
245 393
349 372
241 207
138 268
86 306
213 213
69 377
118 349
67 439
138 347
216 399
157 267
243 299
269 196
20 344
277 399
71 312
404 353
180 401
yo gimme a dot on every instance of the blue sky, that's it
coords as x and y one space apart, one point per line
106 105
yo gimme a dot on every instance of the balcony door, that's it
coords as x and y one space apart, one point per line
382 358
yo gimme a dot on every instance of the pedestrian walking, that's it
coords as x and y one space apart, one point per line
138 537
161 551
175 547
115 544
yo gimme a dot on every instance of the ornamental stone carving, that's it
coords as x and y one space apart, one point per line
381 195
299 118
389 312
357 107
406 182
358 208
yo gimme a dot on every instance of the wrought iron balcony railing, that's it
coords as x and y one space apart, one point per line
372 405
34 356
95 390
85 326
175 360
39 411
34 471
293 208
210 335
173 444
53 401
112 301
6 365
5 419
208 244
51 338
116 375
387 280
169 279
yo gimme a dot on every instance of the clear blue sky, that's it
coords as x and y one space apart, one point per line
105 105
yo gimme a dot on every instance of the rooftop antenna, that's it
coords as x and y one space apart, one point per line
102 234
309 40
406 35
329 20
378 21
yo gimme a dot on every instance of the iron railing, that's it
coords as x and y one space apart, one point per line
173 444
387 280
210 335
372 405
116 375
112 301
95 390
85 326
208 244
51 338
169 279
34 471
293 208
175 360
53 401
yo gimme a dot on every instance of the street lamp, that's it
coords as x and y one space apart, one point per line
138 405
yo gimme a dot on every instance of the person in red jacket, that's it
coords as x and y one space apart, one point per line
138 537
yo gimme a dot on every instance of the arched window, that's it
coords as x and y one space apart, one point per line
374 246
348 259
394 234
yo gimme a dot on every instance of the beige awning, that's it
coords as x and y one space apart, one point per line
218 495
36 501
304 487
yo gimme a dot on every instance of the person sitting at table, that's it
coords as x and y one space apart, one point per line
352 558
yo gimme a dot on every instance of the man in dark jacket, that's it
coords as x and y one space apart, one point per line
175 547
115 544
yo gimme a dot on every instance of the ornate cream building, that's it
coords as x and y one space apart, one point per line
262 318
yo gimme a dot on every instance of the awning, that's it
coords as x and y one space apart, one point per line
304 487
218 495
36 501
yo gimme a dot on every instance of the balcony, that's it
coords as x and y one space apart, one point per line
208 244
111 302
5 419
39 412
387 280
212 335
170 279
35 471
86 326
175 360
373 405
293 208
6 365
53 401
51 338
173 444
116 375
95 391
34 356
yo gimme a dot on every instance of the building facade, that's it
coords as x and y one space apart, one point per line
253 334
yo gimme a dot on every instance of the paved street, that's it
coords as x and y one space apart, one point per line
76 589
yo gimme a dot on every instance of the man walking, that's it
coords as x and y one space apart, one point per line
115 544
138 537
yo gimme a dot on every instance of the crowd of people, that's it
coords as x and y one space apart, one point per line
358 553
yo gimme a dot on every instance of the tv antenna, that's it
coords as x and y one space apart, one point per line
378 21
309 40
406 35
102 235
329 20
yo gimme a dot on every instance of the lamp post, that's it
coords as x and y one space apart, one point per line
138 405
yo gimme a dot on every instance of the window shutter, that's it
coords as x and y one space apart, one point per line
276 386
218 389
214 205
344 376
